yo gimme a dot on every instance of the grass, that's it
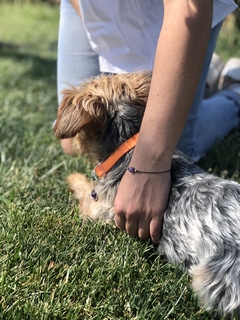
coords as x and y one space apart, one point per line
52 265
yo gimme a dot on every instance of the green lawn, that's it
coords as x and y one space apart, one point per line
52 265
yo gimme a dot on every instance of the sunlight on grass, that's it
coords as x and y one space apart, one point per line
229 41
29 28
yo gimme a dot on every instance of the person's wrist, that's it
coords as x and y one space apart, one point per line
151 161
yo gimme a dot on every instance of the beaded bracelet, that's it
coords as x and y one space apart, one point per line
133 170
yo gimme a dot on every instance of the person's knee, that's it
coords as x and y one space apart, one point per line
67 146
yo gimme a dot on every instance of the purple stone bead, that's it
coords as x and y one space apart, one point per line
131 169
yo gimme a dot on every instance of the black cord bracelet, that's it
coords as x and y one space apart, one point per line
133 170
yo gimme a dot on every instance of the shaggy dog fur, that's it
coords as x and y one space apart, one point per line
201 228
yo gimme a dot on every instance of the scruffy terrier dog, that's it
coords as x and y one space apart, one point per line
201 228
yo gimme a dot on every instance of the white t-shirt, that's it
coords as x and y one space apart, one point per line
124 33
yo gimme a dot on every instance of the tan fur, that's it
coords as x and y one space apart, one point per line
81 188
199 276
82 114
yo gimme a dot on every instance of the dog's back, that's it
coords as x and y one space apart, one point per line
201 230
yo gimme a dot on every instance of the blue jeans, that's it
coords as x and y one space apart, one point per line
209 120
76 59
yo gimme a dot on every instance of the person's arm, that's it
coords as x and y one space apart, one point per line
76 6
142 198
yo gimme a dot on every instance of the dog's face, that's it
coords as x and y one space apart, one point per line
103 112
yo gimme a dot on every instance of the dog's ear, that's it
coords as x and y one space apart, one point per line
79 111
86 109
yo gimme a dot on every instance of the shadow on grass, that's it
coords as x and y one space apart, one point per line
41 67
224 158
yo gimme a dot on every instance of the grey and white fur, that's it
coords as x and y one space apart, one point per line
201 227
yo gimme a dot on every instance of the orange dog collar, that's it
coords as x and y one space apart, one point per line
102 168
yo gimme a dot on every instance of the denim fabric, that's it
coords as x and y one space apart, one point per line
76 59
211 119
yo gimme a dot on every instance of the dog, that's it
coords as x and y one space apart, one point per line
201 225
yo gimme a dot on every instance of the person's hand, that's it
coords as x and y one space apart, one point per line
140 204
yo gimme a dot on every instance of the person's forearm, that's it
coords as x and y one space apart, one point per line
76 6
178 64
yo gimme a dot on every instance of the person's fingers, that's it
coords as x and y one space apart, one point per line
132 225
126 221
150 229
143 229
139 211
155 228
119 220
